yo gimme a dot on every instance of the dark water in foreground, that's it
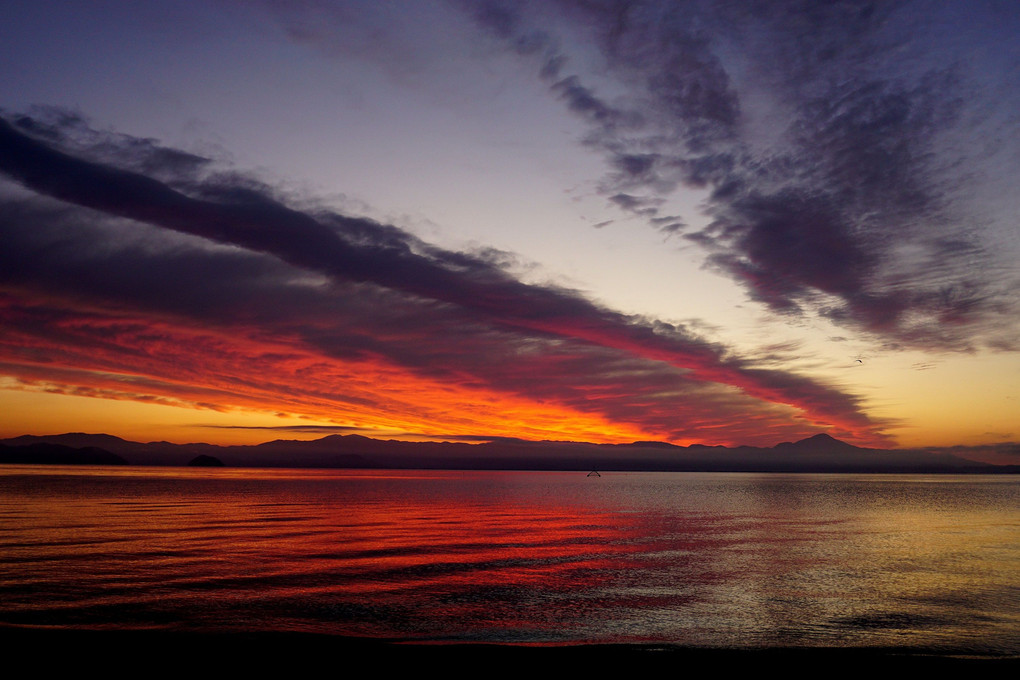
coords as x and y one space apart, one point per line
745 560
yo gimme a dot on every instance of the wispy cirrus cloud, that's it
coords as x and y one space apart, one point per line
835 143
153 269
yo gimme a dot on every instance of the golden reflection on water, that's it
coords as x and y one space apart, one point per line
747 560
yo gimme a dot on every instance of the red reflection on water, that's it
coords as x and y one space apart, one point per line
416 552
514 557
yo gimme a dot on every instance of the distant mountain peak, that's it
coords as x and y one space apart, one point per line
654 445
819 442
73 439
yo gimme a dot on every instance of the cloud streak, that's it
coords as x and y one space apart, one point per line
830 139
125 253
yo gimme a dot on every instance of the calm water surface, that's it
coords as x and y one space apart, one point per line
745 560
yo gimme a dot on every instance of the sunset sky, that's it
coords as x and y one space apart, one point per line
696 222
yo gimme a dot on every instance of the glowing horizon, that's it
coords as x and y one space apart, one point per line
504 220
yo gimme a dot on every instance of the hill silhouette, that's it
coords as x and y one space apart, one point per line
819 453
44 453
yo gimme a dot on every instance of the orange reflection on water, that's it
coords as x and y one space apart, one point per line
130 538
727 559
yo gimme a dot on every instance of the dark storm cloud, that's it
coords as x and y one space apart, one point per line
825 134
379 289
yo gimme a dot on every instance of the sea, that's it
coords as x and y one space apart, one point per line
721 560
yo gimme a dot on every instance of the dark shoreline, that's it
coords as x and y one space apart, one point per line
818 454
128 651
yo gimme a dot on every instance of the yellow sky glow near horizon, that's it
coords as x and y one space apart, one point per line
944 401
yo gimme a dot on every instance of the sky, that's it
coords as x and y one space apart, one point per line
694 222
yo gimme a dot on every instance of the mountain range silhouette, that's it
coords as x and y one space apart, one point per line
819 453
